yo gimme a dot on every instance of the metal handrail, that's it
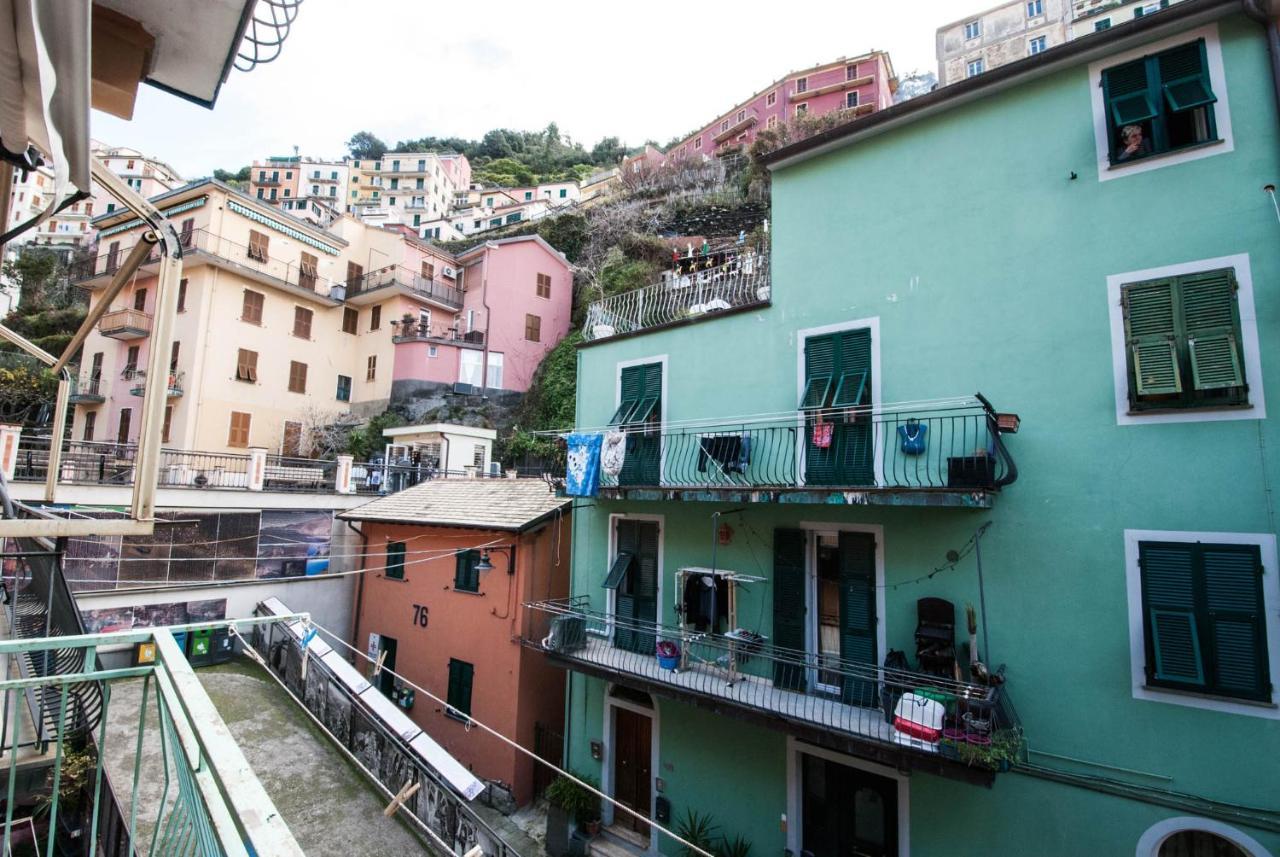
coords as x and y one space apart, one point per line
954 445
742 280
743 669
396 275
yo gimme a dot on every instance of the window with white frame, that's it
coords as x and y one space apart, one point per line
973 29
851 99
1038 45
1035 8
973 68
1203 624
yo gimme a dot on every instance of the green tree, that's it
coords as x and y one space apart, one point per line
363 144
50 308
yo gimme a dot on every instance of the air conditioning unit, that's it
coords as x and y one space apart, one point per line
464 389
568 634
451 273
495 468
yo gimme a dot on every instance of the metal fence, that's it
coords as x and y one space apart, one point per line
739 281
352 724
396 275
741 668
954 445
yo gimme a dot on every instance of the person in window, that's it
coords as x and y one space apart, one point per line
1133 143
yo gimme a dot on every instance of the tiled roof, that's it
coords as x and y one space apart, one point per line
498 504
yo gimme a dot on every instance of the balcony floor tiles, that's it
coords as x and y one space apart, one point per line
822 713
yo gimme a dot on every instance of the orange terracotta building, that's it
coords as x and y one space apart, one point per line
450 564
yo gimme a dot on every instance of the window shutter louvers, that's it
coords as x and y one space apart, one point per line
1168 593
858 611
819 368
1151 331
1184 77
1237 625
1128 94
789 607
1211 321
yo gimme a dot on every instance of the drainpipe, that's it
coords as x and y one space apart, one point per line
1256 10
484 302
364 560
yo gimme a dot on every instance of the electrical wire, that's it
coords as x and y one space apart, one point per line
471 721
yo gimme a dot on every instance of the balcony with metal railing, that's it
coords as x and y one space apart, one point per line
947 452
396 279
88 388
202 246
125 324
701 287
750 116
441 333
137 381
970 734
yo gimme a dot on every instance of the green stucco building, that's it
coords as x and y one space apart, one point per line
1083 238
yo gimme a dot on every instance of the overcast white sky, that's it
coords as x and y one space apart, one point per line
410 68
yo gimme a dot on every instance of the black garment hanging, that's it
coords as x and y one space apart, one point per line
697 602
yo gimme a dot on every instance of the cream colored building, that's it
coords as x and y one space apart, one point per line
281 325
147 176
1091 16
998 36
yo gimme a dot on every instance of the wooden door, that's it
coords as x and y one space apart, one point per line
292 445
847 811
632 746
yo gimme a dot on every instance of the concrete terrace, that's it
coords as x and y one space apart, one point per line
328 804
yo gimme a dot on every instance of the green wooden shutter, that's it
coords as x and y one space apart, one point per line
819 369
1128 94
1236 619
1184 77
461 675
646 583
642 463
1151 334
631 385
853 441
1212 323
466 577
1174 652
858 612
627 542
395 560
789 608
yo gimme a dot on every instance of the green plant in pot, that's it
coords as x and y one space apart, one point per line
1004 751
580 803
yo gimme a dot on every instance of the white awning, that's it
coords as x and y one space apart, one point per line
44 88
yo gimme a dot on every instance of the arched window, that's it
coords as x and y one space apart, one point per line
1187 836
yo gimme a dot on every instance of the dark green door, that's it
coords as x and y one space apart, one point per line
640 414
838 448
636 605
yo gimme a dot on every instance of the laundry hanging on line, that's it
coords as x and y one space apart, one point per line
582 464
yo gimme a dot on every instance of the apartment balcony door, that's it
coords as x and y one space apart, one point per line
839 440
846 810
633 575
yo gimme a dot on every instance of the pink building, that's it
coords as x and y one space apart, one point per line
861 84
516 302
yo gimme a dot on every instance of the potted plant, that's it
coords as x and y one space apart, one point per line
668 653
567 800
1003 751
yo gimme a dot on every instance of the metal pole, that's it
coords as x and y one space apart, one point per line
982 592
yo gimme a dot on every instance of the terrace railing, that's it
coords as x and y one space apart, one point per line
136 379
949 445
411 330
396 275
289 271
857 701
742 281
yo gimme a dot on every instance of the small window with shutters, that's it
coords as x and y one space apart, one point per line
297 377
533 328
246 365
251 308
354 274
466 574
307 269
140 300
371 368
350 320
258 243
238 433
168 424
1159 103
461 675
395 561
182 295
1204 618
302 322
1182 342
90 423
544 285
375 317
